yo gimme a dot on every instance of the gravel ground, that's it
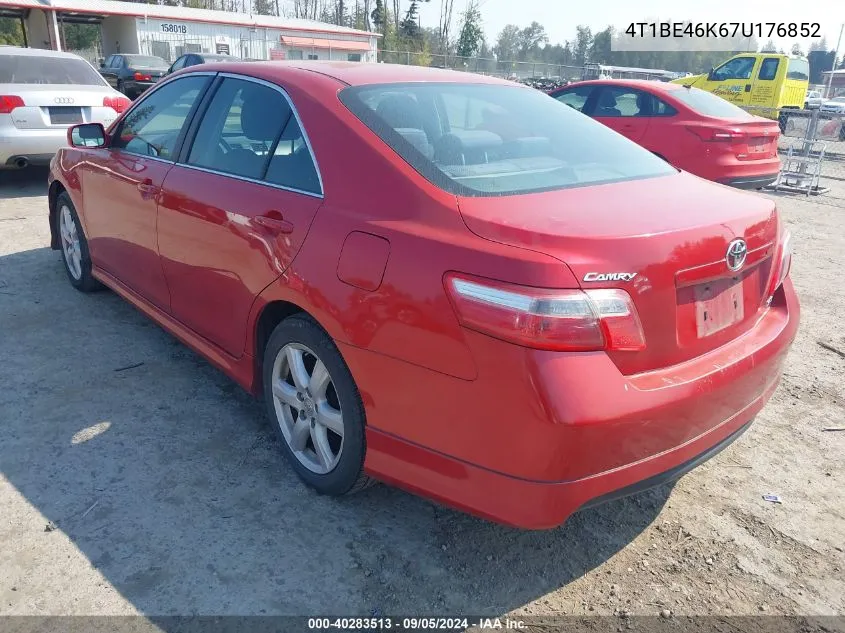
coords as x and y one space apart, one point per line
135 478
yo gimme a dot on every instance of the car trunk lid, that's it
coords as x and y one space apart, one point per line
50 106
672 233
746 139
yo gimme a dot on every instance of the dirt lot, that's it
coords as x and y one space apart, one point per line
159 489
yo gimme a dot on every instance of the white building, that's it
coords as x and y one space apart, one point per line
128 27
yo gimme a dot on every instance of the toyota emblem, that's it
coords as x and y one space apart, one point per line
737 252
64 100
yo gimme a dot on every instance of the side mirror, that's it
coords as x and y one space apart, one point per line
87 135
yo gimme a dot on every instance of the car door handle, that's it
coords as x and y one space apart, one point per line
747 87
276 225
147 188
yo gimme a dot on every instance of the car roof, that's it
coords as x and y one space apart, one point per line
643 84
360 73
35 52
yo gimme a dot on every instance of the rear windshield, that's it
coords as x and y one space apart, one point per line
798 69
708 104
490 140
32 69
143 61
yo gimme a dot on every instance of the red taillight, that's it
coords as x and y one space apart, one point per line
118 104
560 320
9 103
716 134
783 263
142 77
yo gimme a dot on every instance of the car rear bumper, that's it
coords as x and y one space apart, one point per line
133 87
751 182
36 147
540 434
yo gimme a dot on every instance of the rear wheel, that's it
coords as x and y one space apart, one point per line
75 253
315 407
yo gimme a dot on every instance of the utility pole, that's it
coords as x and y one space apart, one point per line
835 58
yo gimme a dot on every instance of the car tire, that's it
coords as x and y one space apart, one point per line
74 246
328 456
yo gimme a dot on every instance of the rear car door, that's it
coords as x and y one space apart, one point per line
623 109
121 185
236 208
764 91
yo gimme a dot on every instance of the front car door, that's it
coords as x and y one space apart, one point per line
733 80
576 97
623 109
236 208
121 185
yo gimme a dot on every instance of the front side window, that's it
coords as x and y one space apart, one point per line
575 97
32 69
240 130
488 140
153 126
768 69
737 68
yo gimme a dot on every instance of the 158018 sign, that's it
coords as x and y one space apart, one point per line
174 28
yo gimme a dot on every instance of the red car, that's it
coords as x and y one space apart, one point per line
694 130
440 280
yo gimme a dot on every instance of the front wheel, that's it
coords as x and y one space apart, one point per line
75 253
315 407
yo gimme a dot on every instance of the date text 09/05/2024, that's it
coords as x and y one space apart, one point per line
723 29
414 624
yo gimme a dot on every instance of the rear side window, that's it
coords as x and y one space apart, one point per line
798 69
240 128
769 69
489 140
36 69
708 104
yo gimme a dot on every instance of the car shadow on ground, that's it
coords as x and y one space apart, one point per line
23 183
168 478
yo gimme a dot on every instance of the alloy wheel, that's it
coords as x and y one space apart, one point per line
307 408
71 248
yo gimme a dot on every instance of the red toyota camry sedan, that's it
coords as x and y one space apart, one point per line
443 281
694 130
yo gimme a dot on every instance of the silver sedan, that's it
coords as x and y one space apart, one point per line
42 93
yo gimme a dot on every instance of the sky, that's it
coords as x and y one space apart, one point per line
560 17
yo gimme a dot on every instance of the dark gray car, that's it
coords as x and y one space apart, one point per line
194 59
133 74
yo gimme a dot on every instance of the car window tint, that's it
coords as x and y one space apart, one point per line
619 101
768 69
178 64
708 104
292 165
737 68
152 127
575 97
661 108
239 130
32 69
798 69
496 139
107 63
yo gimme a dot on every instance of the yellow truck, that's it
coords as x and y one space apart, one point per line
767 81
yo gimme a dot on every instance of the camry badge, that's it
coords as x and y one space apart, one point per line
737 252
609 276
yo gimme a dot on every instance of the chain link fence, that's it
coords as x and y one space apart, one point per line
812 151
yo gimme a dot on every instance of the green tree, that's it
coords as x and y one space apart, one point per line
531 38
11 32
471 37
507 44
769 47
264 7
796 50
583 41
600 48
80 37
